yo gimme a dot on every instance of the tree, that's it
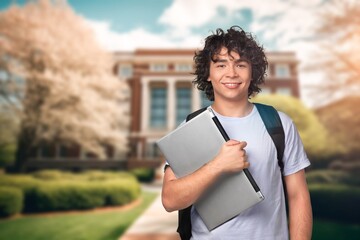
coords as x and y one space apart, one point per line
8 130
314 135
338 51
343 121
67 91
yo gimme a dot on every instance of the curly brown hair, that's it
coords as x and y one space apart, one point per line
235 40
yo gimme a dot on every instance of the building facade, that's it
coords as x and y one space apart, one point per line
162 94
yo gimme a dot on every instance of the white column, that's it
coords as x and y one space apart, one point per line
196 99
139 149
145 101
171 106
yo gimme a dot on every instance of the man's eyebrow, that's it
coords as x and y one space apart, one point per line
216 60
219 60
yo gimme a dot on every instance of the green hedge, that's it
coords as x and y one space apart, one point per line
144 174
335 202
56 190
11 201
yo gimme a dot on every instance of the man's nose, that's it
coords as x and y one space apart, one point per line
232 72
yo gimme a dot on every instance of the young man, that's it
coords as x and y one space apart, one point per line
230 69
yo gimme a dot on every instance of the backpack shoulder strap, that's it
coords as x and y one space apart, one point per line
272 122
194 114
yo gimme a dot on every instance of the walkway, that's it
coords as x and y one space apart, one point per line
155 223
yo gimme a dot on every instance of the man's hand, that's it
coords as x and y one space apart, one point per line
231 158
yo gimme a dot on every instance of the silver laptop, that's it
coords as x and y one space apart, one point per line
195 143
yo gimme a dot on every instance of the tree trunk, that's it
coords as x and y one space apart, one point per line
23 151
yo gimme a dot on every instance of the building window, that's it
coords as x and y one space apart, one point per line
282 71
284 91
158 107
205 102
158 67
183 67
125 71
183 103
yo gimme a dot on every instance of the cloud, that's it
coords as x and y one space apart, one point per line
138 38
280 21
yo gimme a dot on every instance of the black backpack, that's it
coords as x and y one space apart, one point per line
273 125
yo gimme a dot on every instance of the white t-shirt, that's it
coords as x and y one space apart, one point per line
266 220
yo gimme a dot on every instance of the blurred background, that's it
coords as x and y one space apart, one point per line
87 87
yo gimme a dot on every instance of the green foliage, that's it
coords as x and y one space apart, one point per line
332 177
314 135
22 181
65 196
51 175
144 174
7 155
51 190
11 201
335 202
93 175
116 193
9 125
327 230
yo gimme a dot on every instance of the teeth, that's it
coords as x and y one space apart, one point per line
232 84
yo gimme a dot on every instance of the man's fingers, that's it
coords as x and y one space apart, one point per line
233 142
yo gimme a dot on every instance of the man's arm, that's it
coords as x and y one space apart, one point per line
180 193
300 213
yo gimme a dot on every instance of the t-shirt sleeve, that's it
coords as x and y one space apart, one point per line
295 158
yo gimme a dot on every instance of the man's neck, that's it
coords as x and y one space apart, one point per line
233 109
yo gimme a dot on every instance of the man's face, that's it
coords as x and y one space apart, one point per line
230 76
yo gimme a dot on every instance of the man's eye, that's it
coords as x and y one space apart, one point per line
242 66
220 66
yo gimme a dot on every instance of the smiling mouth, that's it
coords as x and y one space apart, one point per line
232 85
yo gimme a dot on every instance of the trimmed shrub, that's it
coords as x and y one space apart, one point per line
120 193
66 191
144 174
52 175
11 201
65 196
335 202
24 182
95 175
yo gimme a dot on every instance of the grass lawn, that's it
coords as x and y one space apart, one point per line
88 225
110 225
328 230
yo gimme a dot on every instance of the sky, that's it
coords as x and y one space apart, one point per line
123 25
127 25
